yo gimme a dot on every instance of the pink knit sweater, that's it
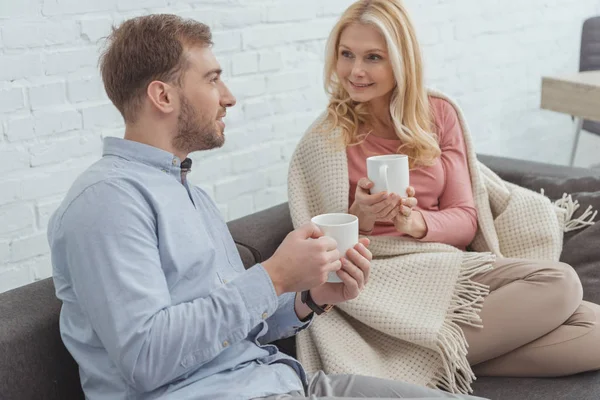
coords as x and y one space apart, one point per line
443 190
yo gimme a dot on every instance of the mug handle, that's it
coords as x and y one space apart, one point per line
383 177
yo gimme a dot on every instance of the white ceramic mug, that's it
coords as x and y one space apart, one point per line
343 228
389 173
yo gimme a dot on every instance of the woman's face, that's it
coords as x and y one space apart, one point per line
363 65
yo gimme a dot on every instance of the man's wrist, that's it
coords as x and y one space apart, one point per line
303 312
312 304
319 298
271 270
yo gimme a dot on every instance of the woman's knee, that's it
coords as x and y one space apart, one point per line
566 284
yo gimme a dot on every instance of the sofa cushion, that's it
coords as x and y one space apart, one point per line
581 248
34 359
584 386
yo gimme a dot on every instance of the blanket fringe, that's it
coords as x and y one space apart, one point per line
455 375
570 206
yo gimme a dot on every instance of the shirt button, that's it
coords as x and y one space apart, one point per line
174 161
265 315
225 281
225 343
164 170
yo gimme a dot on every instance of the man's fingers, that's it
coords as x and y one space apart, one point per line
334 266
362 249
364 241
327 243
350 284
333 255
361 256
309 230
355 273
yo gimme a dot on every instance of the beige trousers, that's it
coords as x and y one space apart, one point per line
535 323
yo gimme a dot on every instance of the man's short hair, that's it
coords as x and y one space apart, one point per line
145 49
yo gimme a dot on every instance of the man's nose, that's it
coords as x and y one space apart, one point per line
227 98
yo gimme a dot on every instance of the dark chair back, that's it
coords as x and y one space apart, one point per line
589 58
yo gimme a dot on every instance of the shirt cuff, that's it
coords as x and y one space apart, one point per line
289 318
257 291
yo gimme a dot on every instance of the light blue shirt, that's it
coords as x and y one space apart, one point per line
156 300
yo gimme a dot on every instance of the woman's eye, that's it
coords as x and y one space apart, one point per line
374 57
346 54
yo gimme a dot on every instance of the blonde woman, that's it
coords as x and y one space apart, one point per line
534 320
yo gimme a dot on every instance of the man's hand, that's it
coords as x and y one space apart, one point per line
354 275
303 260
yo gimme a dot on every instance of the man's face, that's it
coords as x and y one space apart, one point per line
203 102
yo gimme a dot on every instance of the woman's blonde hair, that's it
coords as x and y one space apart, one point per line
409 105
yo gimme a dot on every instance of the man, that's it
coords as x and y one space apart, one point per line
156 301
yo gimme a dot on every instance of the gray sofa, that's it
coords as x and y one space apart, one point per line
35 365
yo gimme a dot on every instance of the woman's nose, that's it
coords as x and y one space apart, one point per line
357 69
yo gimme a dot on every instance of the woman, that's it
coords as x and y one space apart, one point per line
534 320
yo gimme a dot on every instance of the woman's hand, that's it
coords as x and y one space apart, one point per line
370 208
407 220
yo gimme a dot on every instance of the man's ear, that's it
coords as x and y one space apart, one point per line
162 96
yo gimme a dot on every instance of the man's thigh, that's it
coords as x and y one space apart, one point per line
364 387
351 387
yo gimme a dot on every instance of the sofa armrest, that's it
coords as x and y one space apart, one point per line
520 172
262 232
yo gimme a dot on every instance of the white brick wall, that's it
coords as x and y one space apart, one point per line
489 55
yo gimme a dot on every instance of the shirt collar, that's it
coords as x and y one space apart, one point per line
135 151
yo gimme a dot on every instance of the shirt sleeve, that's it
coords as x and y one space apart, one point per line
284 322
456 221
110 248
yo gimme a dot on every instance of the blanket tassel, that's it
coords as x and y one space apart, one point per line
570 206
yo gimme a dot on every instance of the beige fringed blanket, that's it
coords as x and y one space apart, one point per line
404 324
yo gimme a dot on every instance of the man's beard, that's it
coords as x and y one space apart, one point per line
195 131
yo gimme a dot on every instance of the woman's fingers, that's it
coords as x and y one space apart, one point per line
410 202
405 211
364 183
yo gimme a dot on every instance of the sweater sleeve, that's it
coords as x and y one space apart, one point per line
456 221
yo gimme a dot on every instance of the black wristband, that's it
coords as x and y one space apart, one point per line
307 299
